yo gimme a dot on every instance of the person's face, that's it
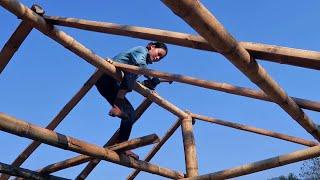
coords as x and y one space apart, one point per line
156 54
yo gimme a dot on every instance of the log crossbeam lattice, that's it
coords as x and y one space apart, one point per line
242 54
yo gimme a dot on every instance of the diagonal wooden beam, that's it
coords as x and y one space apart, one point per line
127 145
16 39
157 147
200 19
93 162
265 164
278 54
25 173
23 12
28 130
256 130
25 154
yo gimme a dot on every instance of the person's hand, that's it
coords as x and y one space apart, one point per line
151 83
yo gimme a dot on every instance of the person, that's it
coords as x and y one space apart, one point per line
114 92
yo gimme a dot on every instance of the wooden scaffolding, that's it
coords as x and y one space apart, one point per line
213 37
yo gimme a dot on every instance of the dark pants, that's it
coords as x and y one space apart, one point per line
108 88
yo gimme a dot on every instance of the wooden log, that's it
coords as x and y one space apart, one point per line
59 117
256 130
282 55
56 120
16 39
15 7
277 161
25 173
189 146
93 162
224 87
127 145
200 19
157 147
28 130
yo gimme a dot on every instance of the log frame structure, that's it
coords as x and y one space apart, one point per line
242 54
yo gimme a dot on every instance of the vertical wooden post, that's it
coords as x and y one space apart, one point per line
189 147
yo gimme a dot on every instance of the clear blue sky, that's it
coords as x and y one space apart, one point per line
43 76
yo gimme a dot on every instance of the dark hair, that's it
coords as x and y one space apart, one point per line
158 45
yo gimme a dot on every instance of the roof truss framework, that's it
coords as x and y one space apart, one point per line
242 55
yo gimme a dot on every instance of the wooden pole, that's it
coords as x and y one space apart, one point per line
127 145
56 120
157 147
256 130
189 147
15 7
60 116
199 18
277 161
282 55
24 129
224 87
16 39
93 162
25 173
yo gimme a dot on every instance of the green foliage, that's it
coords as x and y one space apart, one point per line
310 169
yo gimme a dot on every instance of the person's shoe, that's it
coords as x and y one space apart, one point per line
115 111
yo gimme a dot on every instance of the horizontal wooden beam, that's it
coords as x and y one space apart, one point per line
278 54
28 130
25 173
277 161
127 145
256 130
224 87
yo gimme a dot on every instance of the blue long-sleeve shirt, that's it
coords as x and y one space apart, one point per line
137 56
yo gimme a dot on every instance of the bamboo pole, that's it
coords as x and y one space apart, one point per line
15 7
190 153
224 87
199 18
15 41
256 130
60 116
127 145
28 130
157 147
25 173
277 161
282 55
93 162
56 120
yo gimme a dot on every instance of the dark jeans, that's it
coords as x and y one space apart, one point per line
108 88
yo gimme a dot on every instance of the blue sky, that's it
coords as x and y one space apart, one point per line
43 76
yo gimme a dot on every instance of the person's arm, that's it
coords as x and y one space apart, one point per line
138 58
